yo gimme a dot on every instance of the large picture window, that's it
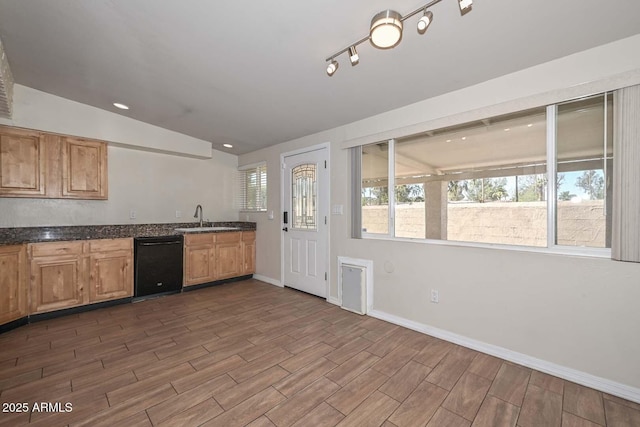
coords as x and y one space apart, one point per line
489 181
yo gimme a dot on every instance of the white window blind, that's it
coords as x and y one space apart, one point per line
252 185
625 245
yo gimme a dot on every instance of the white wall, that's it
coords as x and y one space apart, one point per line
569 312
151 170
155 185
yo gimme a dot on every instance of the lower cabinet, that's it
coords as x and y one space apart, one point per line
43 277
69 274
228 255
57 276
13 283
111 269
199 258
216 256
248 252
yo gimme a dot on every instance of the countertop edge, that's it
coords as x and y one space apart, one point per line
23 235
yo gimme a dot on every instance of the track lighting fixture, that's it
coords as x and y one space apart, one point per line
425 21
332 67
385 31
353 55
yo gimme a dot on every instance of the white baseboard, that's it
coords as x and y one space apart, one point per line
268 280
333 300
579 377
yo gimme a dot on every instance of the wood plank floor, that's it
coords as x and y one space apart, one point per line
251 354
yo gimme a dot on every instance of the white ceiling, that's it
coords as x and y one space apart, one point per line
253 73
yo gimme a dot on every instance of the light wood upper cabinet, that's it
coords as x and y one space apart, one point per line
46 165
13 283
22 163
248 252
69 274
84 170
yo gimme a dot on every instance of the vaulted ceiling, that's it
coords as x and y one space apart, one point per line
253 73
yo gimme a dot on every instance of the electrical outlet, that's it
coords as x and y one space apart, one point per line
132 214
178 214
435 296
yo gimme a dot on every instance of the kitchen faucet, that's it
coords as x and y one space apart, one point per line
199 207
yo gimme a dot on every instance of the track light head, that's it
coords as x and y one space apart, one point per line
353 56
425 21
332 67
465 6
386 29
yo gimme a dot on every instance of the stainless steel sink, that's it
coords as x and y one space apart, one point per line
204 229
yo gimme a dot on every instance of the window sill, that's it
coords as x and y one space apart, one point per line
555 250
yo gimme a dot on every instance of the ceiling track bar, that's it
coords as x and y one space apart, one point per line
364 39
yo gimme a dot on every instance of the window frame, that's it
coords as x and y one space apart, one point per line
243 174
551 205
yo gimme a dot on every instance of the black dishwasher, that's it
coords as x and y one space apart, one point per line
158 265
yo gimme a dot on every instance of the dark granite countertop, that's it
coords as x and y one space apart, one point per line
18 235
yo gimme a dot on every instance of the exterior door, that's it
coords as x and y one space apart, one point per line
305 216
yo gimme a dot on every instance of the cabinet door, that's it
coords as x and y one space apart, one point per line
22 161
248 252
13 283
56 283
228 259
111 275
199 265
84 169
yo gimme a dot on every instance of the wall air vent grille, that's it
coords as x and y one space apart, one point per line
353 288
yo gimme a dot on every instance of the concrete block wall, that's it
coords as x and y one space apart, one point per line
522 223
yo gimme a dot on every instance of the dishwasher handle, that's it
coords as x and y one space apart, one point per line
175 242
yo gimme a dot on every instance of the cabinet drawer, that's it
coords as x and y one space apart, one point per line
106 245
248 236
228 237
199 239
55 248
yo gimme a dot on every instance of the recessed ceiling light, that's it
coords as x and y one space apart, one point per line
448 140
464 138
507 129
529 125
227 145
120 106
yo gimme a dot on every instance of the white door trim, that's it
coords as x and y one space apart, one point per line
327 146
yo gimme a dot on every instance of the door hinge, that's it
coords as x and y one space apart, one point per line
325 164
325 276
325 220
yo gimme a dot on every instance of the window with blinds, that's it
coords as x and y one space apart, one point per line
252 184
